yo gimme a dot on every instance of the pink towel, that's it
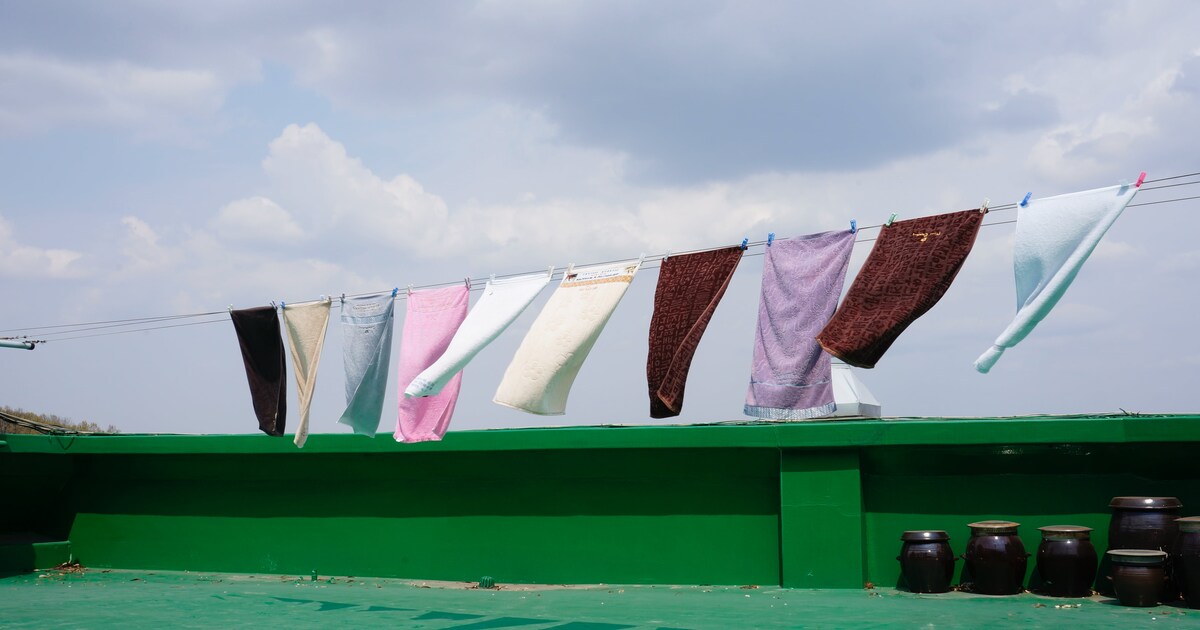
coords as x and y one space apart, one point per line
430 321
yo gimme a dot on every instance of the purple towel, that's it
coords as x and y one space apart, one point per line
791 377
262 354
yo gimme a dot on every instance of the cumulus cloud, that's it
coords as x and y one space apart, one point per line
29 261
257 219
142 251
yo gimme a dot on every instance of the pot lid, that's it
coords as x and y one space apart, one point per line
994 527
1137 556
925 535
1065 531
1146 503
1189 524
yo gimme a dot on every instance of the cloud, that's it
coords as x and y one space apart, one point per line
43 92
28 261
142 251
257 219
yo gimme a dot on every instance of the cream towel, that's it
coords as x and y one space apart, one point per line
502 302
306 325
541 373
1054 238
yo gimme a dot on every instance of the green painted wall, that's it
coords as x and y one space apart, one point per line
810 505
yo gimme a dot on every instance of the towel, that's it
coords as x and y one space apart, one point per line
305 324
1054 238
540 375
262 354
503 300
689 289
366 353
430 321
909 270
790 376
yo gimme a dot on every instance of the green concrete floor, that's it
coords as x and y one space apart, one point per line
117 598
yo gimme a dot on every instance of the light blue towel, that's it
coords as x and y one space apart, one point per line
1054 238
366 352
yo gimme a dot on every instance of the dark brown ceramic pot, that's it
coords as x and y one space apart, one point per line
1186 560
1066 561
995 558
926 561
1142 523
1138 575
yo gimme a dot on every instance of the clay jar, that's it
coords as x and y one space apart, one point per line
996 559
1143 522
1186 557
926 561
1066 560
1138 575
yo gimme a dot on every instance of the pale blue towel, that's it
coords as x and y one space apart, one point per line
366 352
1054 238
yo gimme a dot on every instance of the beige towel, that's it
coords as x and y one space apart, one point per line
306 324
541 373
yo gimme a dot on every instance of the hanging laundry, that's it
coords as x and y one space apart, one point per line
306 325
430 321
366 353
908 271
503 300
689 288
262 354
1054 238
791 377
541 373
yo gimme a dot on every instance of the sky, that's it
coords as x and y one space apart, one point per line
175 158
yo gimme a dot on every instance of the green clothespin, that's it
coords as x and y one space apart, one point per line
890 219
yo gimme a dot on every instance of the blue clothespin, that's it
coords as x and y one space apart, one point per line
1025 201
770 238
853 226
890 219
395 290
282 305
745 243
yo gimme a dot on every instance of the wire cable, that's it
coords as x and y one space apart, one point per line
63 332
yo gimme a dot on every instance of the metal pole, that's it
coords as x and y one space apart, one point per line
12 343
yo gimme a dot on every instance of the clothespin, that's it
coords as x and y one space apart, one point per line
890 219
641 259
666 255
282 305
853 226
745 243
231 309
570 268
983 208
467 280
272 303
1025 201
550 271
1141 179
492 279
343 298
395 290
770 238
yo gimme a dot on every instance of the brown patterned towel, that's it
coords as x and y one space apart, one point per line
262 353
909 269
689 289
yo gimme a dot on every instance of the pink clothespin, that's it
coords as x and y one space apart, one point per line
1141 178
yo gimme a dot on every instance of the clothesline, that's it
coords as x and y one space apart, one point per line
139 324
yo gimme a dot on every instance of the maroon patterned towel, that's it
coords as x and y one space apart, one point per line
262 353
689 289
909 269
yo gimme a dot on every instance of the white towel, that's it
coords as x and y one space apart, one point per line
306 325
502 302
541 373
1054 238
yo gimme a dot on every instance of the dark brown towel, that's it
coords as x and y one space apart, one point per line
909 269
689 289
262 353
